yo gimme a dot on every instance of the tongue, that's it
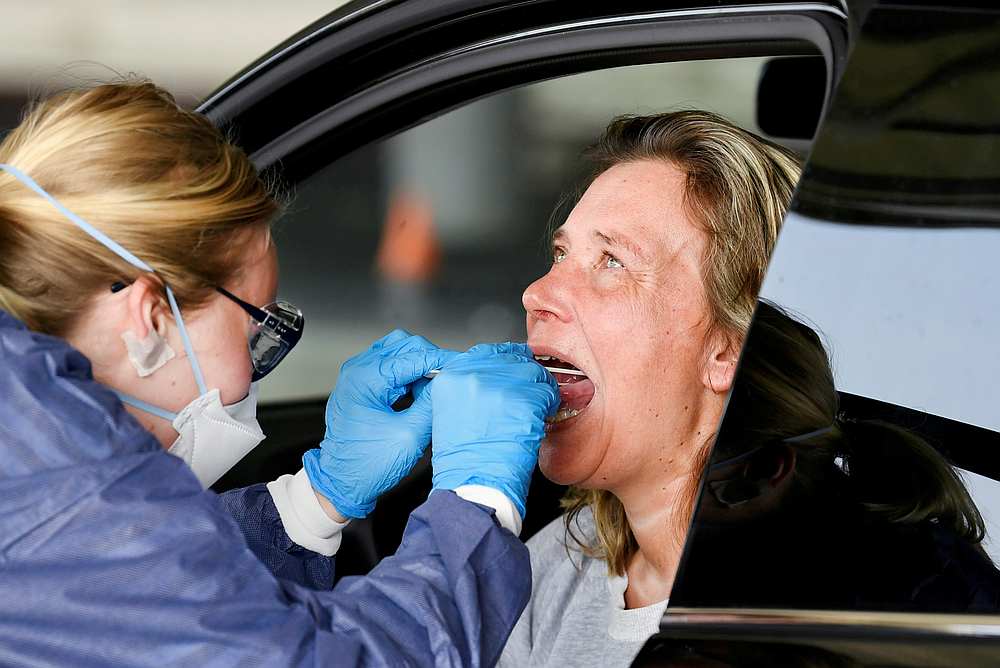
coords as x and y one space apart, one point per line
576 396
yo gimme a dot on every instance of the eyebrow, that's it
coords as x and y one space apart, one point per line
620 242
617 241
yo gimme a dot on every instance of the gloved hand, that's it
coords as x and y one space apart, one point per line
490 405
369 447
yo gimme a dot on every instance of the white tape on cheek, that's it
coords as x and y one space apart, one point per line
148 354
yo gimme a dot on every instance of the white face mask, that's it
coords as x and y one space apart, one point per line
212 438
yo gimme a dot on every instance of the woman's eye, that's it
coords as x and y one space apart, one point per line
611 262
558 255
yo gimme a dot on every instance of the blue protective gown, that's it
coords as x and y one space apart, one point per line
112 554
258 519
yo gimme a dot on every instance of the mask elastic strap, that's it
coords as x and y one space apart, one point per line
195 367
123 253
143 406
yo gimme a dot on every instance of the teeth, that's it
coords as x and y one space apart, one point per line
544 358
562 414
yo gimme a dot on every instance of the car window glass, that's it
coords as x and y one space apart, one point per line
903 319
904 312
440 228
892 502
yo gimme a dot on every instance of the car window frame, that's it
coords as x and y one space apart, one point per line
432 85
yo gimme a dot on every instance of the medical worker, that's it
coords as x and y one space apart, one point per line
137 312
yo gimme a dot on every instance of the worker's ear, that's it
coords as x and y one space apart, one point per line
143 301
146 325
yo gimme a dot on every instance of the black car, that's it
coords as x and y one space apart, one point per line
426 140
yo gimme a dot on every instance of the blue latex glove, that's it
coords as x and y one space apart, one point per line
368 447
490 405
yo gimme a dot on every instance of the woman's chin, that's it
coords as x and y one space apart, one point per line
562 458
551 465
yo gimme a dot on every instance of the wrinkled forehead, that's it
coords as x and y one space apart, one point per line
644 201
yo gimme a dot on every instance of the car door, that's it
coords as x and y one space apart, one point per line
425 144
889 558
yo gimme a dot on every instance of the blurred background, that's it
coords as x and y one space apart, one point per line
189 47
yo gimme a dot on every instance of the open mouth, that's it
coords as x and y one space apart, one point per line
575 389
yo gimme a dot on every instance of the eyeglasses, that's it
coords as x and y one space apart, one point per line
274 331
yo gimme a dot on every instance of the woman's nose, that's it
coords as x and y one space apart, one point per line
546 298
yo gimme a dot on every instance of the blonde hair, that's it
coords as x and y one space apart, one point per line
737 189
160 180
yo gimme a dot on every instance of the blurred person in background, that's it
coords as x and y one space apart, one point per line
652 288
137 266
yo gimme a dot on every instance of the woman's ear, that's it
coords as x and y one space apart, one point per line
145 307
722 354
145 343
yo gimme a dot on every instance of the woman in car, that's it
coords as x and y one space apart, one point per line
135 255
652 288
807 506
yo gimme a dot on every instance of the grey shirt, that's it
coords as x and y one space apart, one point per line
577 615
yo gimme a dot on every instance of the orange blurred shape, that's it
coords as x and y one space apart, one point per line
409 250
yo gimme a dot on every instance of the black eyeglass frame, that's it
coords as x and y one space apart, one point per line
288 334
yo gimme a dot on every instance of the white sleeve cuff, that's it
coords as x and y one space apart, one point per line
506 513
305 521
